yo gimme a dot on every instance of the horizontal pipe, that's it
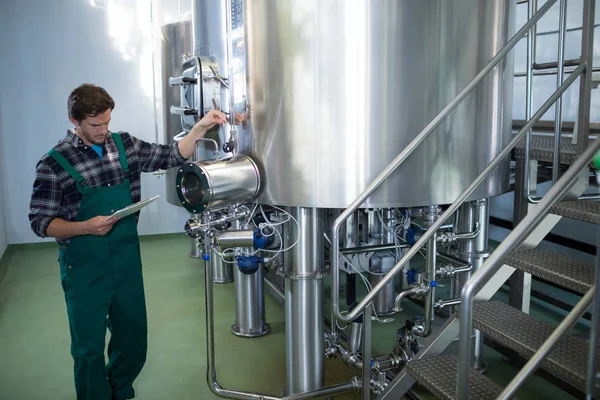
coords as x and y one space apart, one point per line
328 391
407 152
447 303
373 248
454 260
554 64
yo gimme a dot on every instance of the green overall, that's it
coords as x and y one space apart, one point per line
102 280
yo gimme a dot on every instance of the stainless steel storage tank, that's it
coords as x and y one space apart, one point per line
337 88
177 40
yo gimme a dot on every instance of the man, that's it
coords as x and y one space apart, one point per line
86 177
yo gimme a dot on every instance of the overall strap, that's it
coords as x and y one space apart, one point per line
62 161
122 153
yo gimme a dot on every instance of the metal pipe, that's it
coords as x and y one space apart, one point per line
455 260
447 214
366 370
555 64
402 295
447 303
304 303
430 297
553 72
592 368
211 374
562 23
236 238
355 337
275 291
534 362
510 243
404 154
372 249
230 78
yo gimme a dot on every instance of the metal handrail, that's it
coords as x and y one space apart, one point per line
335 311
495 260
534 362
586 56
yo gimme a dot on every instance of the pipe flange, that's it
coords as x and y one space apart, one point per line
296 277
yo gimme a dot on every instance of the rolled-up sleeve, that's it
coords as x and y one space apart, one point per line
45 199
157 156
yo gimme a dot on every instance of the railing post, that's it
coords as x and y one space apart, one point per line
585 82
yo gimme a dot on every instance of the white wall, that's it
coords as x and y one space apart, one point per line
48 48
3 235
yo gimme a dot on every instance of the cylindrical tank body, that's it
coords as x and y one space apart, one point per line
222 270
176 41
338 88
250 318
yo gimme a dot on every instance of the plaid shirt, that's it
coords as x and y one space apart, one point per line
55 194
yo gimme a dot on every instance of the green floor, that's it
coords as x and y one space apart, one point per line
35 362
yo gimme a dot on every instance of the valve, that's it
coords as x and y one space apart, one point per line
248 264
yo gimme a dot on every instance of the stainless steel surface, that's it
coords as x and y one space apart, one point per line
366 353
306 108
438 375
554 267
354 344
275 292
379 265
230 69
509 245
204 185
222 271
430 278
249 303
475 251
236 238
195 249
463 196
560 67
374 248
585 83
542 149
176 41
211 375
527 335
304 302
592 365
581 210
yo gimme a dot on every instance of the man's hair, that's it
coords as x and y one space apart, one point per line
88 100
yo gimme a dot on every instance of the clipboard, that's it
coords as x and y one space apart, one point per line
133 208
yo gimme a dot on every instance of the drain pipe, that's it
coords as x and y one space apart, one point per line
211 374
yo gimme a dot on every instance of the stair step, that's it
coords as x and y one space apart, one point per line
581 210
438 375
525 334
553 267
542 149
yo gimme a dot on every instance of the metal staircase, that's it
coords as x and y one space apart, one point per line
568 358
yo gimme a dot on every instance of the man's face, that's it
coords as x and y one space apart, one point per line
93 130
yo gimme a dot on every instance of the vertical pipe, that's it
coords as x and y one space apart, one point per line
592 368
249 300
474 251
430 298
230 77
304 303
585 81
562 22
366 372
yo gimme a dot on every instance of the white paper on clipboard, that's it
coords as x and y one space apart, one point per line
135 207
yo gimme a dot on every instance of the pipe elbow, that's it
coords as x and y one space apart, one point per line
402 295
